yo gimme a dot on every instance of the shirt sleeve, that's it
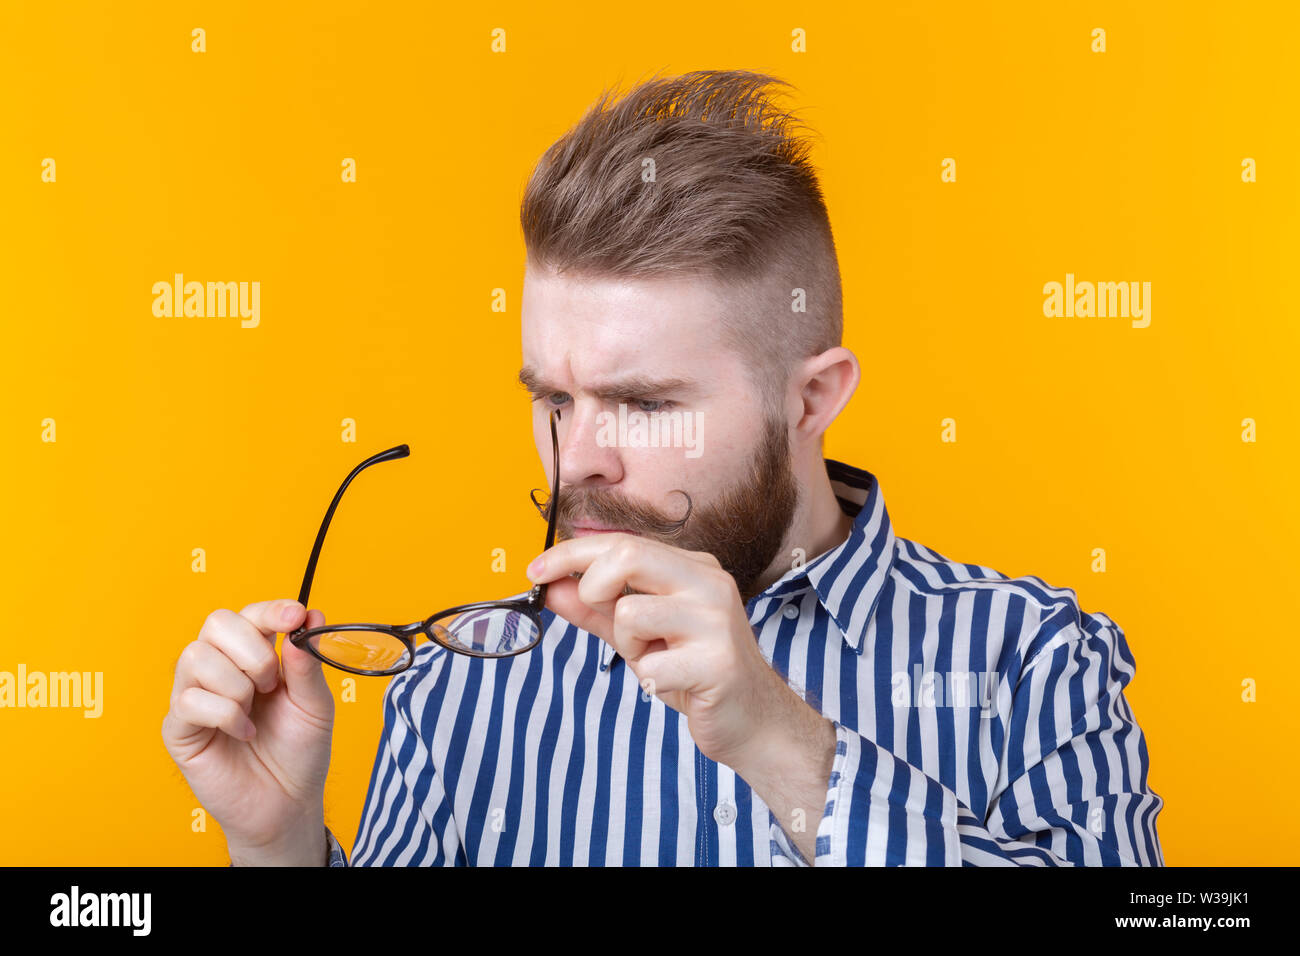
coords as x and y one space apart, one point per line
337 857
1071 788
407 818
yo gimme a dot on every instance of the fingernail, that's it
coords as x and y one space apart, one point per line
290 613
250 730
535 568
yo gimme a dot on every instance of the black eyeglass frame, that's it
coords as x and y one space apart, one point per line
530 606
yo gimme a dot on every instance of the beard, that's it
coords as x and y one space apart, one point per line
743 528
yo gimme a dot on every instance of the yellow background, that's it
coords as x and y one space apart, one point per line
1073 434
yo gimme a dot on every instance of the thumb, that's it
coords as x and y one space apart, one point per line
304 675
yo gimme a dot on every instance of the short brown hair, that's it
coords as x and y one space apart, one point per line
733 198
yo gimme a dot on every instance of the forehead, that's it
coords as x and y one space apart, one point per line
588 327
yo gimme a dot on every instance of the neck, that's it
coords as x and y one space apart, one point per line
819 524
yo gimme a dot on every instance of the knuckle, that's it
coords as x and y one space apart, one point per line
719 583
626 612
262 673
246 691
266 657
210 665
189 656
188 700
237 678
215 621
586 589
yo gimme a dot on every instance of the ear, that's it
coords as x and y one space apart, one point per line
819 390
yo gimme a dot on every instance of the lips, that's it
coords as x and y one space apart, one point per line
582 530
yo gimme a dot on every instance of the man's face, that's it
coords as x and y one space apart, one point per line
655 346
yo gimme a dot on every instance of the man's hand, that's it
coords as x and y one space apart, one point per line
686 636
250 732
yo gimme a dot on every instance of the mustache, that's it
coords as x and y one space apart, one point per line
604 507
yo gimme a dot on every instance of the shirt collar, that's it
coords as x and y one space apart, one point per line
849 578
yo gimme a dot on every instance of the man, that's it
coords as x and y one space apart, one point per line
741 663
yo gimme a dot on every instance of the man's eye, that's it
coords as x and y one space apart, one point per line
656 405
556 399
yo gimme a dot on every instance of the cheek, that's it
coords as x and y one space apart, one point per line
653 474
707 456
649 474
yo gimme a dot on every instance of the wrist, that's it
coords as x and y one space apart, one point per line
305 845
796 743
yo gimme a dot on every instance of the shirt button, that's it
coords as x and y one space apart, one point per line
791 611
724 813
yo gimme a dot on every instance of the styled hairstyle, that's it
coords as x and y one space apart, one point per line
699 175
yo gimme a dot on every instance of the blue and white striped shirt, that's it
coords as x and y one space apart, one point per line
979 720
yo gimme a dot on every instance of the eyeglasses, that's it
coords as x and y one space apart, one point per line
486 629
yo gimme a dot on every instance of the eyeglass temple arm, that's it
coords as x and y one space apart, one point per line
555 481
400 451
539 601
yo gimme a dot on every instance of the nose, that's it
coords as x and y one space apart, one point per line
584 458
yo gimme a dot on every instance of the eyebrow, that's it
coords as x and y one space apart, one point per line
629 387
